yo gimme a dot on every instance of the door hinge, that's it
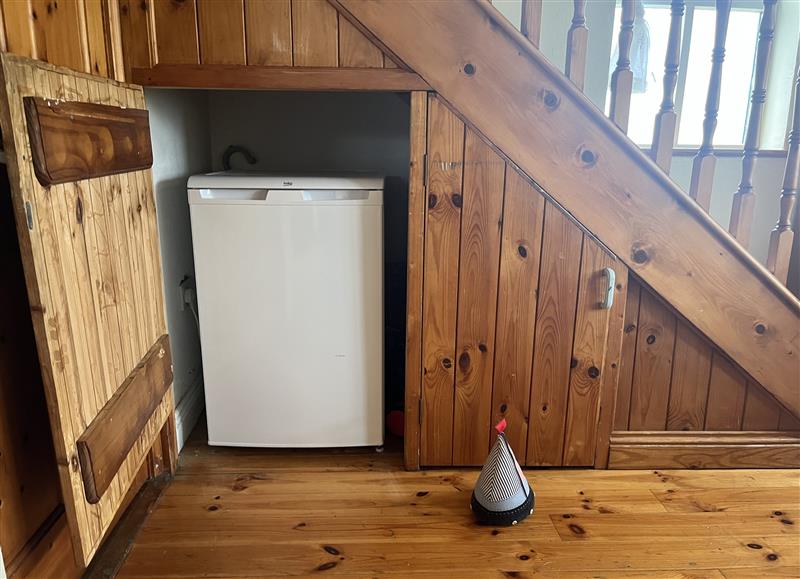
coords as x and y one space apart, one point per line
29 214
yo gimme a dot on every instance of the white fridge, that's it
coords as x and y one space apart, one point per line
289 274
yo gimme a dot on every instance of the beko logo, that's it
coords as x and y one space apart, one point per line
287 183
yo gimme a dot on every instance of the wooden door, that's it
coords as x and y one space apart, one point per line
89 245
513 324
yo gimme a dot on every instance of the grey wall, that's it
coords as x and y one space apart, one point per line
181 146
768 177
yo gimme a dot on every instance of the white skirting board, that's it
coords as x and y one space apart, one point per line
188 411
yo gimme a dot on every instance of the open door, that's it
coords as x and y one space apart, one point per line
78 152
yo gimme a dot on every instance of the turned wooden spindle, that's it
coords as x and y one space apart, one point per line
577 45
622 77
744 198
667 118
705 161
781 238
531 25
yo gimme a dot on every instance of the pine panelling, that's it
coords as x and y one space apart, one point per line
628 355
653 365
555 323
96 37
269 32
135 31
523 214
761 412
18 24
176 39
414 293
588 357
60 26
690 375
726 394
221 26
442 241
315 33
72 278
355 49
484 174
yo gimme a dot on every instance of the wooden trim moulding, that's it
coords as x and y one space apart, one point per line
224 76
704 449
105 444
551 130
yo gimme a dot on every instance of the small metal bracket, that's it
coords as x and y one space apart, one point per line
29 214
608 296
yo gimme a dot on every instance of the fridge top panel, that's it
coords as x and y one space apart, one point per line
252 180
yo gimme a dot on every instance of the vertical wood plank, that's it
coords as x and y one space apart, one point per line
612 367
416 249
523 214
479 262
653 366
704 162
788 421
690 376
667 119
588 357
726 394
18 23
781 239
221 31
61 36
315 33
577 45
355 49
176 39
96 37
555 323
622 77
113 39
744 199
761 412
531 21
628 355
269 32
442 241
135 30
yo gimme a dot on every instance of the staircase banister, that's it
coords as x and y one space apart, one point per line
617 191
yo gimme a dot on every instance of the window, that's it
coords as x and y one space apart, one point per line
651 32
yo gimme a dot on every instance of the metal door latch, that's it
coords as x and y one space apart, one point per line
611 280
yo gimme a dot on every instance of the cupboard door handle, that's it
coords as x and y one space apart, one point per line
608 297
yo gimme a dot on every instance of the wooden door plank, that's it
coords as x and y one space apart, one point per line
690 376
628 355
221 31
18 24
761 412
479 262
611 366
521 248
60 33
269 32
355 49
176 39
588 357
136 35
96 37
315 33
442 240
416 248
653 366
555 324
726 394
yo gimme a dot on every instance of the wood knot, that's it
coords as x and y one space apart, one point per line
330 549
651 339
79 210
523 253
577 529
760 328
550 99
432 200
503 408
772 557
754 546
640 255
593 372
573 363
457 200
463 361
469 69
588 157
447 362
483 348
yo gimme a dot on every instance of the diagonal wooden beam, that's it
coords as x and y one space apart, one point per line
545 125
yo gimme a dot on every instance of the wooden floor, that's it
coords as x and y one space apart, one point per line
254 513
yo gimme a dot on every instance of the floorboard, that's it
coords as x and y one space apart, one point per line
266 513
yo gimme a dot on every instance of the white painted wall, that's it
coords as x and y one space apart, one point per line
181 145
768 177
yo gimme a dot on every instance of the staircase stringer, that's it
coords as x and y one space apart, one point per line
531 112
